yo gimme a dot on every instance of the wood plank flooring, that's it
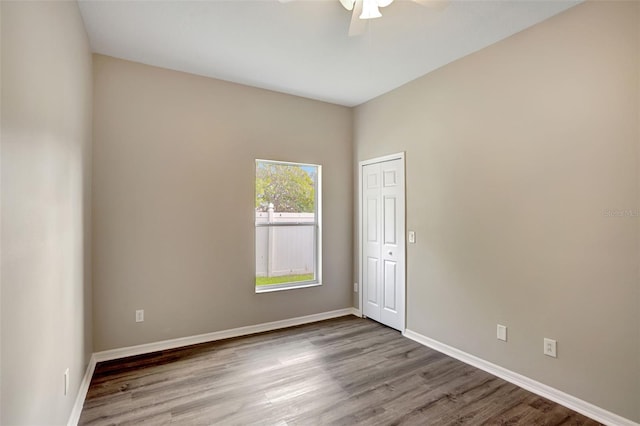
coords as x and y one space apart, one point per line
346 371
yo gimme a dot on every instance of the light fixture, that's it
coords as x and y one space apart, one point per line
370 9
347 4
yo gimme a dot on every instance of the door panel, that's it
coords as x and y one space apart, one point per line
390 220
383 245
372 245
372 220
390 178
372 181
372 282
390 284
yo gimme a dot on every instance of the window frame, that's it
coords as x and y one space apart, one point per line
317 225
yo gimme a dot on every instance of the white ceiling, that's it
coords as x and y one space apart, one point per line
302 47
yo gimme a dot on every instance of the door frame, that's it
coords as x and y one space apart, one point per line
361 164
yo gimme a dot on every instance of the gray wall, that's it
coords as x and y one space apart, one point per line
513 155
173 200
46 141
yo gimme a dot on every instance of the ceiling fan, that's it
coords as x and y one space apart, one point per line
369 9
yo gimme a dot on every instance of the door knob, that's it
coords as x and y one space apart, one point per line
390 252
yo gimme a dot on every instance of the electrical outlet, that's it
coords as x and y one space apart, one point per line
140 315
355 287
502 332
550 347
66 381
412 237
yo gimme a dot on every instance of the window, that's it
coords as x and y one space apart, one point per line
287 220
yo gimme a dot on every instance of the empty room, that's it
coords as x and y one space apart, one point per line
320 212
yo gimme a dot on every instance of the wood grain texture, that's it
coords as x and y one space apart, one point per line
345 371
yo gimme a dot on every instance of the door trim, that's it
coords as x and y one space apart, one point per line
361 164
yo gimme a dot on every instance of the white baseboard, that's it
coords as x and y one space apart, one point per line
599 414
191 340
217 335
82 392
356 312
596 413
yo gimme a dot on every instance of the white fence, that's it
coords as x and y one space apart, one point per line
285 250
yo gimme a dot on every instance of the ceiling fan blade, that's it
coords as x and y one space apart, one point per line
357 26
434 4
347 4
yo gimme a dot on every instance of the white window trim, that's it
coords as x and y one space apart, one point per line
318 203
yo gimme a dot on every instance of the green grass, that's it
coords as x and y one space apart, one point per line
260 281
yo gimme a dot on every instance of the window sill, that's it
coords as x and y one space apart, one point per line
272 288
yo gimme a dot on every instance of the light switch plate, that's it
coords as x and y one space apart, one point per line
502 332
550 348
412 237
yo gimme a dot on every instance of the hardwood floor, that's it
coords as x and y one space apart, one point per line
346 371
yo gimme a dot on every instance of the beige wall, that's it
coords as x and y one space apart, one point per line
513 154
46 139
173 201
0 211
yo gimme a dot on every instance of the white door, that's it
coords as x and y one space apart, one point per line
382 242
